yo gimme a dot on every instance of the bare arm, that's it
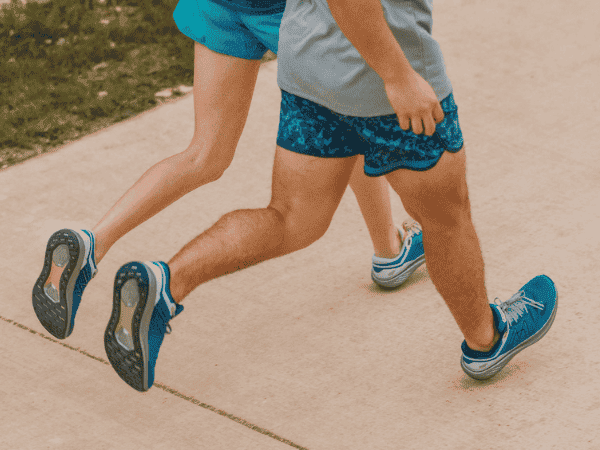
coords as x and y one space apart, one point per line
411 97
363 23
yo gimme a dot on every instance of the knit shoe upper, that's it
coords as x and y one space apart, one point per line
392 273
522 320
163 312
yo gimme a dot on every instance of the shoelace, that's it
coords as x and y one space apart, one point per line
413 226
168 326
516 306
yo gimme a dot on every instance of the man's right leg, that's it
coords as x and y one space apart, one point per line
223 88
306 191
147 295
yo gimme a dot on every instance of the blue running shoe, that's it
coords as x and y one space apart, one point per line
522 320
391 273
142 309
69 265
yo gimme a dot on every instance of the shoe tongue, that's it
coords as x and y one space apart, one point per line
498 319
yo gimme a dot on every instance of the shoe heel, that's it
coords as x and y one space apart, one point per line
127 330
53 302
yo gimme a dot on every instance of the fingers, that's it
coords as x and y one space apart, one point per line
417 125
438 113
429 126
404 122
424 123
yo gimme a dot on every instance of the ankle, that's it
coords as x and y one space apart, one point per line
393 250
485 346
99 252
100 246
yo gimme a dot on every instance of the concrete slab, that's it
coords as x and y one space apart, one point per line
57 397
306 346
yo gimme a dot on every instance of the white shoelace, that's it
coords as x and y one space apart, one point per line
516 306
413 226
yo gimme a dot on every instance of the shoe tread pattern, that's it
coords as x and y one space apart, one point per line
55 317
129 365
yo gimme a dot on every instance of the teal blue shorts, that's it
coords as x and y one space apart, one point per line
227 31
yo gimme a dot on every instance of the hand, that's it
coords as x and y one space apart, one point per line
415 104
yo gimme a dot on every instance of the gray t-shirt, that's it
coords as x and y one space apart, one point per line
317 62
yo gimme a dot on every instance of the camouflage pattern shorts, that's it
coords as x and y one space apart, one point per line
311 129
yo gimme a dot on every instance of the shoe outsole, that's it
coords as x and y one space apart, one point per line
132 366
396 281
56 317
499 365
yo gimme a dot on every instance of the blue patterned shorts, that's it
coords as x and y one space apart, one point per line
311 129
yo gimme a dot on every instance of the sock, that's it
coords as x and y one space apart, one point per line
468 351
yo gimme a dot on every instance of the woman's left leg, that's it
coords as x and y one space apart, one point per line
372 194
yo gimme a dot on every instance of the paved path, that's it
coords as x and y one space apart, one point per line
305 347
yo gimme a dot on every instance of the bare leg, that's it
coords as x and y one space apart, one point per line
373 198
438 198
223 88
306 193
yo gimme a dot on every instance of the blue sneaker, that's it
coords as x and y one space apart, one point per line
69 265
522 320
142 308
391 273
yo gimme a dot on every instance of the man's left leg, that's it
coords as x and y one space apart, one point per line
306 192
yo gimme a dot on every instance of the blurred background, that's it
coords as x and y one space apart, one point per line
71 67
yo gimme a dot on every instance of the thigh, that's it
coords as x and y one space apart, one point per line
437 195
307 190
223 90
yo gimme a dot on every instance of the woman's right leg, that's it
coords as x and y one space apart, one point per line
223 89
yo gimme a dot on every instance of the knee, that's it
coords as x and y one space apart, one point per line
446 207
206 165
301 229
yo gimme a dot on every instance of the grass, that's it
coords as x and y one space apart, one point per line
71 67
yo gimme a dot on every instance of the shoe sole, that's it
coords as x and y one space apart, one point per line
52 307
401 277
132 311
499 365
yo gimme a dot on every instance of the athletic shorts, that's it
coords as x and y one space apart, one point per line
311 129
227 31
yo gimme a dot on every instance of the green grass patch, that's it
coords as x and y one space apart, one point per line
71 67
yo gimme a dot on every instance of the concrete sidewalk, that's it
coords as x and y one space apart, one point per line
304 350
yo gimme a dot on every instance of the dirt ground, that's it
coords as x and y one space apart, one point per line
305 351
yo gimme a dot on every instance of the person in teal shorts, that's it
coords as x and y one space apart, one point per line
231 38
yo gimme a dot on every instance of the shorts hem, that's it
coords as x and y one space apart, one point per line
286 146
227 52
424 166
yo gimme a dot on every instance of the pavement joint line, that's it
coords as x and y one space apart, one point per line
168 390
